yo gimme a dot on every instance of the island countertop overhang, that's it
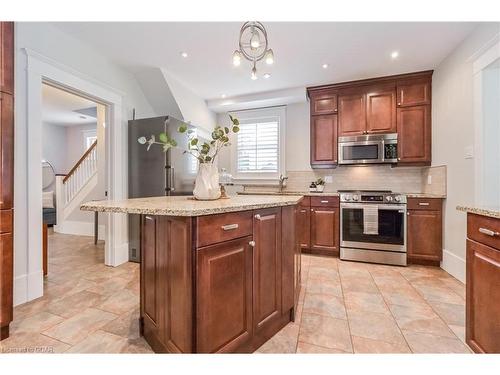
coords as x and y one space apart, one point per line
188 206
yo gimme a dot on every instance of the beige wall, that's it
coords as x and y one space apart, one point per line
452 132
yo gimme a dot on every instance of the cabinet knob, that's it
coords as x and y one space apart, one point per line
335 110
399 103
399 158
407 214
312 210
252 243
257 216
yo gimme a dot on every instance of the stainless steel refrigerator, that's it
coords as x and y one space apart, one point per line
154 173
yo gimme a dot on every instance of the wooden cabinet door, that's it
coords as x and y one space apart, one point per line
381 110
325 229
414 134
224 282
483 298
323 103
6 282
324 140
304 224
352 114
424 235
267 268
7 57
414 92
6 150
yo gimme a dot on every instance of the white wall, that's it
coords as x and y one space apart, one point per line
452 132
54 146
67 50
193 108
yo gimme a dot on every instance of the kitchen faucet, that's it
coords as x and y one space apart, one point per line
282 182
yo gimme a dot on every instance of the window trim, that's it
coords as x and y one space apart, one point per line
260 177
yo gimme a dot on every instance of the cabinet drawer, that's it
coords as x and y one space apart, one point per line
305 202
326 201
5 221
424 204
218 228
483 229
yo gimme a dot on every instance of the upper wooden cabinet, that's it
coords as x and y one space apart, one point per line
394 104
7 57
323 103
352 113
323 140
414 134
381 110
414 92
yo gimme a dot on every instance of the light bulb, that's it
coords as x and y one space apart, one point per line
269 57
395 54
255 40
236 58
254 74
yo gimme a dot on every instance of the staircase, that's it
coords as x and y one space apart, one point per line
72 190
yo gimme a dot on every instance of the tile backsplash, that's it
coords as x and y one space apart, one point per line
379 177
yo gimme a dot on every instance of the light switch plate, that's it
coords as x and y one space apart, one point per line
328 179
469 152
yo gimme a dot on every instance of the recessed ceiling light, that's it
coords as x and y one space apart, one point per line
184 54
223 96
395 54
324 66
267 75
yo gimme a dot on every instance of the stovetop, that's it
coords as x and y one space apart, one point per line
371 196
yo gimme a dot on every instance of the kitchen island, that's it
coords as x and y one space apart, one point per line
216 276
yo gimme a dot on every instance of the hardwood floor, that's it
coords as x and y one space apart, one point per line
345 307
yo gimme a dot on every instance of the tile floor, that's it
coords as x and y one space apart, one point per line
345 307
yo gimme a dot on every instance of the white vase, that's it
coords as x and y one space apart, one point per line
206 186
320 188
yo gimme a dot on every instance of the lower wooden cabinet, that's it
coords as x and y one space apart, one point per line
231 295
325 230
303 227
224 309
6 277
425 231
483 298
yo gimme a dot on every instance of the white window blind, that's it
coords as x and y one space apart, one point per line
258 145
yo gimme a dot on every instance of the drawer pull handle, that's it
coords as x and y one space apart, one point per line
252 243
230 226
423 204
324 201
489 232
257 217
303 211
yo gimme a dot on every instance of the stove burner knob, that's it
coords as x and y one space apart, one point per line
388 198
347 197
355 197
397 198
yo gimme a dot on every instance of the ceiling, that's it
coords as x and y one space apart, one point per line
60 107
353 50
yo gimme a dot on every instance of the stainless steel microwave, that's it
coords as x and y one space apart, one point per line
368 149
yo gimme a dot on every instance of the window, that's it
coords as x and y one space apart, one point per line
89 137
257 151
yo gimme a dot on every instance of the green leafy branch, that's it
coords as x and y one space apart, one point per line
205 152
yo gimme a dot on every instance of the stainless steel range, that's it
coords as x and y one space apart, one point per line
373 227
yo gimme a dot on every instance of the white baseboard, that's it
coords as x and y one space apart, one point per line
80 228
28 287
454 265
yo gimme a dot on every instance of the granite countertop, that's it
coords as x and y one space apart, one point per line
287 193
481 210
424 195
188 206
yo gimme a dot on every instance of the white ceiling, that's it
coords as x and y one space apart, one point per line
353 50
59 106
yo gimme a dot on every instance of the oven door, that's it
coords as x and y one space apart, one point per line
391 228
361 152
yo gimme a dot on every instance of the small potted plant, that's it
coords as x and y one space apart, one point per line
207 180
320 185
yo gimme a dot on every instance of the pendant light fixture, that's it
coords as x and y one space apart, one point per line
253 46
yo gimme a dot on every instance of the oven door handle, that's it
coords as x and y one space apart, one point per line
398 207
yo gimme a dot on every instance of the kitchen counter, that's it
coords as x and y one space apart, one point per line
188 206
424 195
481 210
289 193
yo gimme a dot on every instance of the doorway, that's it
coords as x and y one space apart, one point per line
73 172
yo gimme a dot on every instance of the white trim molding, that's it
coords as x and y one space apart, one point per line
41 69
454 265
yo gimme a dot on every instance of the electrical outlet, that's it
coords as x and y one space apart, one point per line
469 152
429 180
328 179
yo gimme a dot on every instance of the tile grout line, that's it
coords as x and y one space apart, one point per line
346 312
